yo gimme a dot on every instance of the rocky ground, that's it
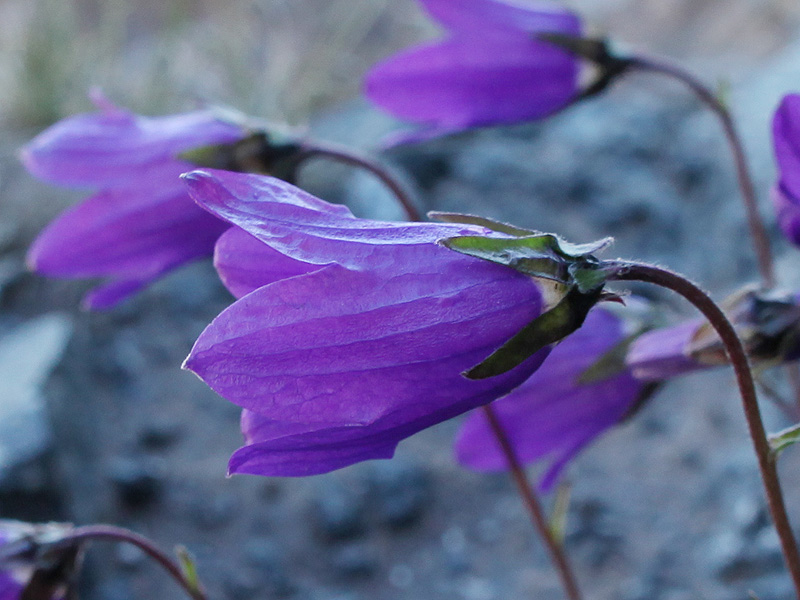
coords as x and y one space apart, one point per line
98 423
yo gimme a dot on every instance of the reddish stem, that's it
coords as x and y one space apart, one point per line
624 271
526 491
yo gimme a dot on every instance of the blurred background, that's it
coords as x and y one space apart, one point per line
98 423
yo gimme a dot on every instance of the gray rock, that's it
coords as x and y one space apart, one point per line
338 511
354 561
401 491
138 480
27 356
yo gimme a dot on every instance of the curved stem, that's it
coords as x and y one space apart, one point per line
349 157
534 507
119 534
758 231
624 271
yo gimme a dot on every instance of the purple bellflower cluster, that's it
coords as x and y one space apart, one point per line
490 69
349 335
140 224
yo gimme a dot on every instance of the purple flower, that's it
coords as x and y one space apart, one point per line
555 413
768 323
665 352
350 334
490 69
786 193
140 223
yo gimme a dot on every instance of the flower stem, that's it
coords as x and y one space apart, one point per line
349 157
624 271
758 231
531 501
118 534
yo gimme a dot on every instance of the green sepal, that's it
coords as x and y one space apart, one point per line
491 224
258 152
546 329
778 442
558 517
542 255
188 568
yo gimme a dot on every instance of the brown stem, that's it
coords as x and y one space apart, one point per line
624 271
758 231
349 157
118 534
528 494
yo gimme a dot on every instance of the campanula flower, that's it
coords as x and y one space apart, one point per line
768 323
349 335
490 69
140 223
786 141
561 408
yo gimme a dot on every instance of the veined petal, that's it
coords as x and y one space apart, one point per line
552 416
462 82
480 17
245 263
307 229
126 232
114 146
338 346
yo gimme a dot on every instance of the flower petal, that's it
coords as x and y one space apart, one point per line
481 17
245 263
787 211
786 140
134 231
311 230
114 146
338 346
463 82
661 353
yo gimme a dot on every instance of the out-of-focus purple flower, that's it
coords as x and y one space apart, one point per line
140 223
17 567
768 323
555 414
354 334
786 141
490 69
664 353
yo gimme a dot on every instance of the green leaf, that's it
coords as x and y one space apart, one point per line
548 328
188 567
778 442
500 227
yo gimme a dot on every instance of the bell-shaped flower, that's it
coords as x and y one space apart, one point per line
349 335
767 322
490 69
140 223
786 141
562 407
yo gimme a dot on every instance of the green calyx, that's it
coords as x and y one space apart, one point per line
570 273
257 152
